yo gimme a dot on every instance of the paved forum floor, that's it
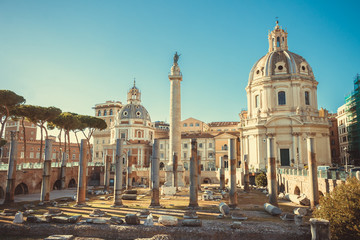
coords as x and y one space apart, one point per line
53 195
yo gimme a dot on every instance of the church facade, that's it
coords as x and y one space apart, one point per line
282 103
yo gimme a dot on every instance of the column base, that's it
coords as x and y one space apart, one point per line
168 191
169 176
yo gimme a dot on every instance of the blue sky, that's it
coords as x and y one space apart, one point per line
75 54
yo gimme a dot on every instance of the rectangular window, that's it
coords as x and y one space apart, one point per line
281 98
161 155
31 155
73 156
185 145
344 139
210 155
185 155
161 146
200 145
54 156
257 101
122 136
307 98
22 155
210 145
37 155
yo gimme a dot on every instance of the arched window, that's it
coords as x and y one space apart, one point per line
111 112
307 98
257 101
105 113
281 98
278 41
99 113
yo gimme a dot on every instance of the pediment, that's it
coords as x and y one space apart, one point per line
282 121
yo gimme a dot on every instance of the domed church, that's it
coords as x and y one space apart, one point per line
133 125
282 103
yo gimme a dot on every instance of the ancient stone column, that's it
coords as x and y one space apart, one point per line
45 184
320 229
175 166
199 172
107 173
155 194
246 174
118 175
11 173
81 189
129 171
271 174
193 176
222 173
175 78
313 180
63 171
232 154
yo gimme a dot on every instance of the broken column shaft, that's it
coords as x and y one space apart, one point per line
193 176
129 171
45 184
271 175
233 194
81 190
313 180
118 175
222 173
11 174
63 171
155 194
175 166
199 172
107 173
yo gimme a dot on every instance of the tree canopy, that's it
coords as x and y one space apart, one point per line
8 100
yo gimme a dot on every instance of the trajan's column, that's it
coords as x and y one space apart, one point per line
175 78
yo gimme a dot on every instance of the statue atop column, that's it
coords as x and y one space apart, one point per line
175 69
176 58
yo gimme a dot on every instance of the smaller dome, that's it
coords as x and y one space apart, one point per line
134 111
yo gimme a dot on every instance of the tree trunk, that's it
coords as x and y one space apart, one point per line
4 122
60 144
65 146
68 133
41 144
77 140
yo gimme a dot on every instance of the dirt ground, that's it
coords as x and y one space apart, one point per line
259 223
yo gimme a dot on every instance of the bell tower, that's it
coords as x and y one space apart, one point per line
277 39
134 95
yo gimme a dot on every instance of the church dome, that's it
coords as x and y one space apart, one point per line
279 62
134 111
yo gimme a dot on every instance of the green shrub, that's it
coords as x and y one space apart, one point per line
261 180
342 208
2 142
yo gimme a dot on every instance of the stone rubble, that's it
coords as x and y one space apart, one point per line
236 225
191 214
149 220
192 223
224 209
19 218
97 213
132 219
271 209
116 220
168 220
